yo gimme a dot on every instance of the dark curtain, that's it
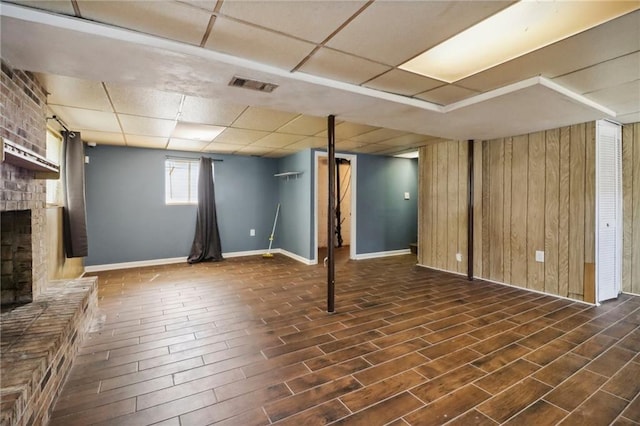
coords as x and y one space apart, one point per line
75 213
206 242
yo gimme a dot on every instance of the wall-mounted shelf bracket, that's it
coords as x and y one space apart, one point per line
288 174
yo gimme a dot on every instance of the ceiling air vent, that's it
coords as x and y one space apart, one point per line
252 84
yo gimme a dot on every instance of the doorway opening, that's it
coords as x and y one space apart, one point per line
345 238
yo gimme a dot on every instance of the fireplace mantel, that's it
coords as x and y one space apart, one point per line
27 159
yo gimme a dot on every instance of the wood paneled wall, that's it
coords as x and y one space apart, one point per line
532 192
442 223
538 194
631 208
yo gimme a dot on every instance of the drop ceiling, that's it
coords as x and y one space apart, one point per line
152 73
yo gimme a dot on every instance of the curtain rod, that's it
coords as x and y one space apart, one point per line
62 124
174 157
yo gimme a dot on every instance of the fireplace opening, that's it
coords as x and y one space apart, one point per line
17 259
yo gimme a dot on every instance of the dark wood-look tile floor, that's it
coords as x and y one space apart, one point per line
248 342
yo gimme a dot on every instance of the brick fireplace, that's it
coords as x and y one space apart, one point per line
22 197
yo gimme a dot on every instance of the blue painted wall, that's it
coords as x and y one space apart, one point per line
295 233
385 220
127 218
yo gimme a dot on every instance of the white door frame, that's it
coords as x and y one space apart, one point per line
354 173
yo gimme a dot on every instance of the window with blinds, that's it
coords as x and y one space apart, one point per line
181 181
54 153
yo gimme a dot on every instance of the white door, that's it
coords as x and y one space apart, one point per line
608 210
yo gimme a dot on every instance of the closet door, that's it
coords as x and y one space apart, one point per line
608 210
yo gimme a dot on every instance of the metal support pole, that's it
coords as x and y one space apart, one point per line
331 228
338 235
470 196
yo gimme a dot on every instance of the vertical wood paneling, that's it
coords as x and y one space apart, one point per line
434 205
552 196
563 212
519 191
535 210
422 196
486 181
627 205
589 284
443 203
452 206
442 197
506 220
463 177
477 209
576 210
635 271
496 209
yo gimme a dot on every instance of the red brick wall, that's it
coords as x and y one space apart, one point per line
23 121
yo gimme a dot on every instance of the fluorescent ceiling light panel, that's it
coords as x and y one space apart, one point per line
196 132
515 31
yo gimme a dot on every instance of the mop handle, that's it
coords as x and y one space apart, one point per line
273 231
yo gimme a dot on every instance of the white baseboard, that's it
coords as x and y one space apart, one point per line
295 257
535 291
378 254
136 264
464 274
173 260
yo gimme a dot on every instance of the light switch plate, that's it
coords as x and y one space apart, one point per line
252 232
539 256
406 196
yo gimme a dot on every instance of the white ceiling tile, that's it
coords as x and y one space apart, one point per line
378 135
87 119
255 118
304 125
294 18
240 136
277 140
629 118
146 126
254 150
195 131
347 145
624 98
311 142
186 145
447 94
603 75
74 92
335 65
221 148
168 19
146 141
279 153
613 39
372 148
102 138
348 130
403 82
58 6
410 140
207 5
393 32
210 111
144 102
246 41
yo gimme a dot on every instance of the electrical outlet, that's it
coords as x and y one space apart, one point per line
539 256
407 196
459 257
252 232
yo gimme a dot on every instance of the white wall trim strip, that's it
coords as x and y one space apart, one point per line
378 254
463 274
537 291
173 260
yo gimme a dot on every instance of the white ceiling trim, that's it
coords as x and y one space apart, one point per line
170 65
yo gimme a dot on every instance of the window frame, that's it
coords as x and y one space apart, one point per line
193 168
